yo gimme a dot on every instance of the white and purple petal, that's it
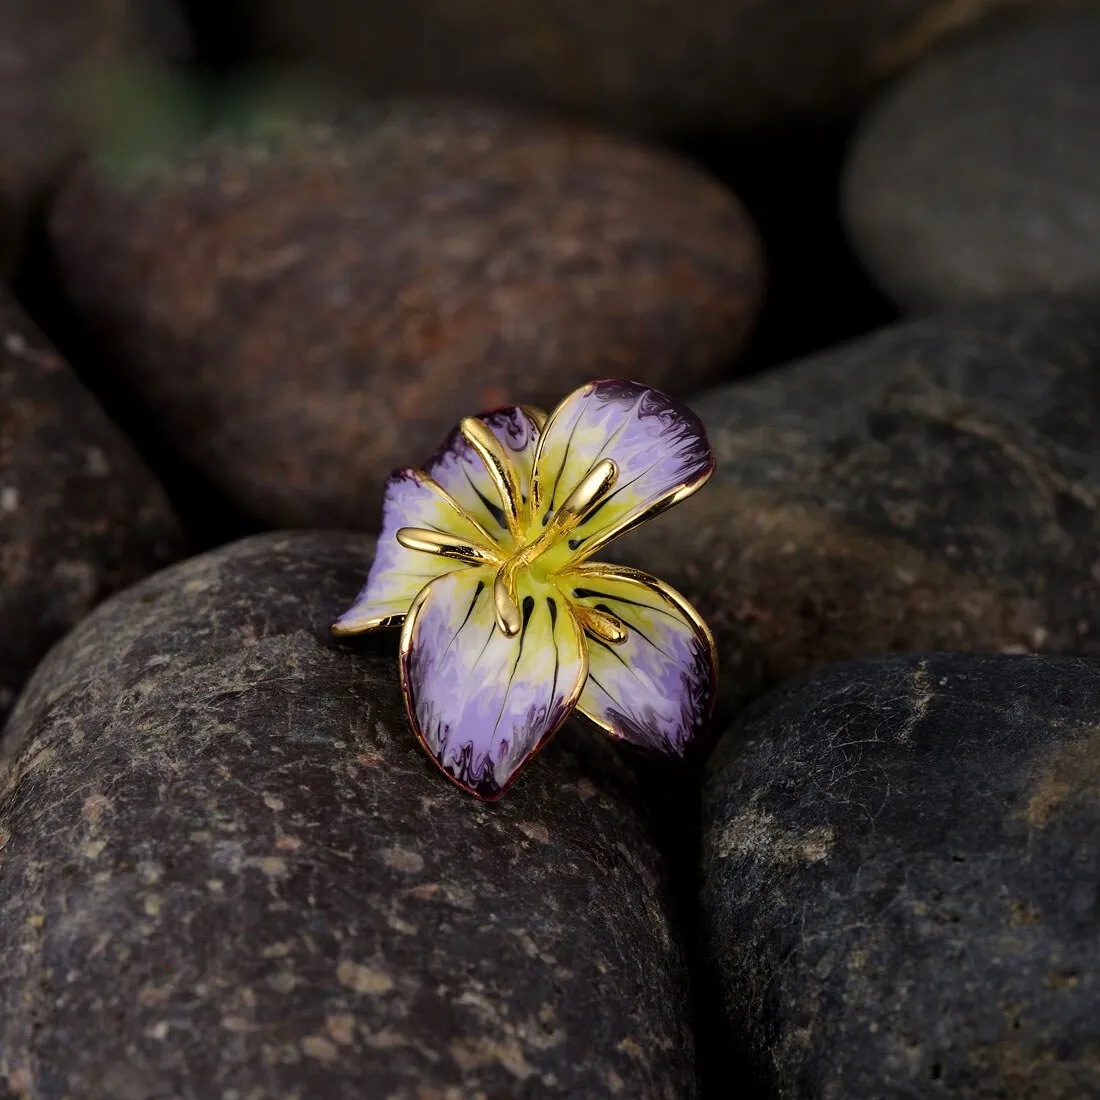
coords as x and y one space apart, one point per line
482 703
658 444
397 574
656 689
459 470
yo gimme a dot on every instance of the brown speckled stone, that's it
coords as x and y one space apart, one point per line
681 66
300 314
80 515
931 486
901 862
229 869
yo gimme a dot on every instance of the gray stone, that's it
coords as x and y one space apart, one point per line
80 514
901 861
692 66
978 176
931 486
228 869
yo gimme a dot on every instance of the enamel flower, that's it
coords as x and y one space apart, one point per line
508 625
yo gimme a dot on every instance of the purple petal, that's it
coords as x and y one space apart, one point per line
458 469
397 575
656 689
481 703
658 444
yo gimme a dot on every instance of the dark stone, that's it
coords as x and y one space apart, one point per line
686 67
230 869
979 175
901 871
80 515
300 314
931 486
48 47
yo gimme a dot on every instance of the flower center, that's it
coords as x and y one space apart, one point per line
527 553
589 491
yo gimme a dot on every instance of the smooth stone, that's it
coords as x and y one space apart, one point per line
48 47
230 869
934 485
978 176
696 66
299 314
80 514
900 863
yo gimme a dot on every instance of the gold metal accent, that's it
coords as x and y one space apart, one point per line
381 622
431 483
608 628
536 489
658 587
537 415
680 493
600 724
447 546
505 603
593 487
501 470
590 490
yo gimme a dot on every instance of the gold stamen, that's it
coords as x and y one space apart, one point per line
505 604
593 487
446 546
590 490
601 625
501 470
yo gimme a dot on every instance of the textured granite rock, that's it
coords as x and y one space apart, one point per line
229 869
901 876
931 486
80 515
695 65
979 175
299 314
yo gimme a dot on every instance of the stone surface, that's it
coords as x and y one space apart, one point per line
227 868
979 175
686 67
300 314
46 46
901 876
931 486
80 515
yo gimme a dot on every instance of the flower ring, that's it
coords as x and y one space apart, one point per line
508 626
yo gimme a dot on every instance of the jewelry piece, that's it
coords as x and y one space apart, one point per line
507 625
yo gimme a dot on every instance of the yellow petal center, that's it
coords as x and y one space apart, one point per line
536 547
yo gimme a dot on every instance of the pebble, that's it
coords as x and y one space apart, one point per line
296 314
900 865
978 176
231 870
80 514
934 485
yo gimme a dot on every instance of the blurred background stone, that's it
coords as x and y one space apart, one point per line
670 69
978 176
80 515
934 485
900 865
227 867
50 51
299 311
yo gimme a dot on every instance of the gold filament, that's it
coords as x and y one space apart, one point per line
500 468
